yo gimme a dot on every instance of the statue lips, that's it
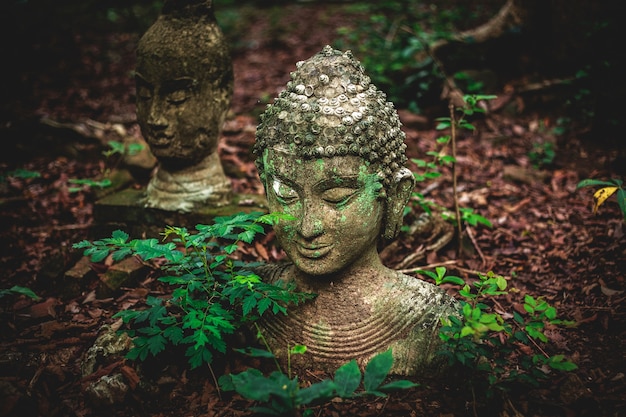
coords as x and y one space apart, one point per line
313 251
160 140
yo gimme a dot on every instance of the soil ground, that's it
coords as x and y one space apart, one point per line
545 239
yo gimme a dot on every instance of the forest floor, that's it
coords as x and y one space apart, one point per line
545 239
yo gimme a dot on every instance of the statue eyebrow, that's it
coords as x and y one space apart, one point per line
141 79
282 179
179 84
338 182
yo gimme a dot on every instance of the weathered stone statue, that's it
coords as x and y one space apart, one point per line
184 83
331 154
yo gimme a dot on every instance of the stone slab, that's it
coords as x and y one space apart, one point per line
125 210
123 273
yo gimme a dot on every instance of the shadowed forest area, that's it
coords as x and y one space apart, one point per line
68 112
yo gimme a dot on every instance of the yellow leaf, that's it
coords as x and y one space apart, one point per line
601 195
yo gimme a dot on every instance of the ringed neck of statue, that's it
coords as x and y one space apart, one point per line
207 169
203 184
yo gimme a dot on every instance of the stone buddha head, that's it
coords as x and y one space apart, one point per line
184 80
331 154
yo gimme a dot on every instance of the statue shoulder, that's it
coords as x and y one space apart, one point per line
272 273
430 294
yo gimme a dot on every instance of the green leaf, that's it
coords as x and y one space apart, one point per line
557 362
263 305
174 334
246 236
255 353
319 392
429 274
621 201
226 383
453 280
24 174
347 379
398 385
376 370
551 313
97 254
120 254
16 289
197 357
298 350
156 344
248 304
466 331
120 236
253 385
592 182
200 338
231 248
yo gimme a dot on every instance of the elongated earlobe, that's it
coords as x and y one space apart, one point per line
397 198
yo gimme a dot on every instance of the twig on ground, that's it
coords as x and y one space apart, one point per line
470 234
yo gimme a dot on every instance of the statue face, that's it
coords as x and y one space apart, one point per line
337 206
179 114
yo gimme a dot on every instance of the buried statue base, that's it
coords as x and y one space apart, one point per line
357 320
331 155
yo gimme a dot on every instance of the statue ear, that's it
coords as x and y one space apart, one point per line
397 198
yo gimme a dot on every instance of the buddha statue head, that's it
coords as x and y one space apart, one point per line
331 154
184 82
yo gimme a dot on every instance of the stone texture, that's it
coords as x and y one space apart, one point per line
77 277
125 272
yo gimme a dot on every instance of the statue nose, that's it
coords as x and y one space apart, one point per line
311 222
156 116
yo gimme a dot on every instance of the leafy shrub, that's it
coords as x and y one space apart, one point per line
485 340
445 156
282 395
213 294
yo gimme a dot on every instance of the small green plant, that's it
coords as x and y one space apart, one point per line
610 187
542 154
16 289
116 148
486 341
213 293
282 395
20 173
445 156
122 149
86 182
471 85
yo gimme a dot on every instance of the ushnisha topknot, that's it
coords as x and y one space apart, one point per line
331 108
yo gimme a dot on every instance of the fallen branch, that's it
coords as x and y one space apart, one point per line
509 16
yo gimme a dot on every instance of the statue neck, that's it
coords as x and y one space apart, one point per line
202 184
